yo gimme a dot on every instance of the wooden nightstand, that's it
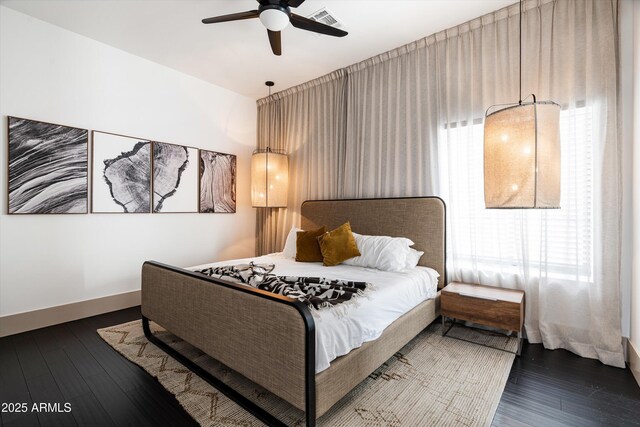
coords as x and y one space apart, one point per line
486 305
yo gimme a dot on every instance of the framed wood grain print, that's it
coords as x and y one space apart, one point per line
47 168
217 182
121 174
175 178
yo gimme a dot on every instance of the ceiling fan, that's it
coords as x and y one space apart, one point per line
275 15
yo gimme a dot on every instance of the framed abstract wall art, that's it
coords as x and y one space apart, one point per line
217 182
175 178
121 174
47 165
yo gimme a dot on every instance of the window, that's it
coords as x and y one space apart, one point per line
558 241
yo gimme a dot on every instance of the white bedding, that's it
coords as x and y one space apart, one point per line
395 293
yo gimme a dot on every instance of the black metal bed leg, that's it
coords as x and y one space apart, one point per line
146 329
232 394
310 380
310 414
311 420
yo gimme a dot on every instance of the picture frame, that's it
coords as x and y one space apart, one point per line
121 173
47 168
217 182
174 183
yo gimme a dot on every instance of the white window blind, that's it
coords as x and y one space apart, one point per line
498 240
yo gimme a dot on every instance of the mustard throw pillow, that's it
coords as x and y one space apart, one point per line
307 246
338 245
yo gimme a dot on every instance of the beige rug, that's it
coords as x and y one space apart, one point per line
432 381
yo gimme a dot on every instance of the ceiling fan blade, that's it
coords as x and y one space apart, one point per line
295 3
315 26
275 41
232 17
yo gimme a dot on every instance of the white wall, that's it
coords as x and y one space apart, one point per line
635 281
51 74
626 115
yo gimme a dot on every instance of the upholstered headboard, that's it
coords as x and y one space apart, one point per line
421 219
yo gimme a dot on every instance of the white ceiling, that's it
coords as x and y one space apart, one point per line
236 55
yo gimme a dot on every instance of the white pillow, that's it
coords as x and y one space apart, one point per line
381 252
413 258
290 246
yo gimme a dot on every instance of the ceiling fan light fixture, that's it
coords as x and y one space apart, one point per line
522 152
276 15
275 18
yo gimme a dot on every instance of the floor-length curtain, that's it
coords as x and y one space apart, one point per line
392 125
269 134
308 123
410 122
566 260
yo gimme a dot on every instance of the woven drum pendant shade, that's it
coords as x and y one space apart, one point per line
522 156
269 179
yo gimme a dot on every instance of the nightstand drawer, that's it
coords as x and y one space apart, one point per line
483 310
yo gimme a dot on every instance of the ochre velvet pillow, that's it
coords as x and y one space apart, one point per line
307 246
338 245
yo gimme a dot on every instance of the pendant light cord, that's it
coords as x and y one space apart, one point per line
269 84
520 56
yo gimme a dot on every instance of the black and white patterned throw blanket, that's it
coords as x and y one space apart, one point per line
315 292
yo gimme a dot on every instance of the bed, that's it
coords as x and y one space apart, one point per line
271 339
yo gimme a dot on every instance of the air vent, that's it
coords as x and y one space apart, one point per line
325 16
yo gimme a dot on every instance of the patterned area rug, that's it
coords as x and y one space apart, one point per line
432 381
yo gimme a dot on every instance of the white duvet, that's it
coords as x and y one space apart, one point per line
395 293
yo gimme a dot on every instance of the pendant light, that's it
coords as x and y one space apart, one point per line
269 176
522 153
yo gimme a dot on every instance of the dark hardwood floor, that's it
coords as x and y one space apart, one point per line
70 363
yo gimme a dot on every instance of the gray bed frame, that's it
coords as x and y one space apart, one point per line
258 334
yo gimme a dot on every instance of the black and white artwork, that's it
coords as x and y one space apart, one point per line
47 168
175 178
121 170
217 182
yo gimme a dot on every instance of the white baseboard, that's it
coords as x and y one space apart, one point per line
634 361
30 320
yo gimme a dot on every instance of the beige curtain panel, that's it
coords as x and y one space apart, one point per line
388 127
